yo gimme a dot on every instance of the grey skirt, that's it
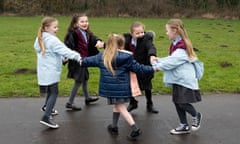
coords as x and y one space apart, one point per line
182 94
112 101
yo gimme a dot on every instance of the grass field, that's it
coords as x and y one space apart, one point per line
216 41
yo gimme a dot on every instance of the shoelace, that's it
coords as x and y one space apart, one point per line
195 121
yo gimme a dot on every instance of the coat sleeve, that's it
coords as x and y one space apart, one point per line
151 48
61 49
69 41
92 50
178 58
138 68
92 61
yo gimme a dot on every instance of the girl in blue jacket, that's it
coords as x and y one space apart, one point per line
115 65
50 52
182 71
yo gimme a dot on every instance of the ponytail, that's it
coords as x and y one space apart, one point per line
114 42
46 22
40 41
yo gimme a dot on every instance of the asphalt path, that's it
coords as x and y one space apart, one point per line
19 121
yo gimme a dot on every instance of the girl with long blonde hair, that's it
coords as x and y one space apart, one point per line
50 51
115 65
182 70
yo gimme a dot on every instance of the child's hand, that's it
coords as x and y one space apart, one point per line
153 58
65 61
155 69
99 44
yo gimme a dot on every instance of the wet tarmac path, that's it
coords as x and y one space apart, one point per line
19 121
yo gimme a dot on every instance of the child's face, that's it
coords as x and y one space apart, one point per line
83 23
53 28
137 32
171 33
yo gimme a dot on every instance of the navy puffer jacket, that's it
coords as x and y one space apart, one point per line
117 86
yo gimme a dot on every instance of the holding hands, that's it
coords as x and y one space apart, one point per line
153 60
99 44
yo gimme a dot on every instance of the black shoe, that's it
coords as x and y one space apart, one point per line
53 113
151 109
112 130
72 107
48 122
132 106
196 122
181 129
90 100
134 135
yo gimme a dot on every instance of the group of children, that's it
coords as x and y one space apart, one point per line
122 54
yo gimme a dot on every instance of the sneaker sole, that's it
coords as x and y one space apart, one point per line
51 126
179 133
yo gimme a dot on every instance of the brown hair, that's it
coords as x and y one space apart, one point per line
114 42
179 26
73 24
136 24
46 22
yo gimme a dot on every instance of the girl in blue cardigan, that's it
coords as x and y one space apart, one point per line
115 65
182 71
50 52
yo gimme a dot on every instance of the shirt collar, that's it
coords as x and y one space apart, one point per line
179 38
133 42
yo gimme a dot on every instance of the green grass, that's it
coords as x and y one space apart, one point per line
216 41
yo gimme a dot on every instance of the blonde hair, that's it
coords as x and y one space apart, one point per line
136 24
114 42
179 26
46 22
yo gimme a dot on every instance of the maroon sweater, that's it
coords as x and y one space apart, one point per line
82 45
180 44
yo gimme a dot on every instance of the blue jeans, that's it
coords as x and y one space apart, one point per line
52 93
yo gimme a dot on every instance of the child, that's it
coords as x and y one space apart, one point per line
80 39
115 65
182 71
143 51
50 52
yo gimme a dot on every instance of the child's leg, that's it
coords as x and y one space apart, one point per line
74 92
116 115
150 108
85 88
188 108
183 128
196 116
51 99
126 115
181 113
136 132
88 99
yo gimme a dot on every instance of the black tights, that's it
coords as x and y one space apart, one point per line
182 109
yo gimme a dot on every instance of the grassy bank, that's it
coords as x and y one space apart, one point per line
215 40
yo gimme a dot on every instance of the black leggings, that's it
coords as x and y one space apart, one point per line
182 109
